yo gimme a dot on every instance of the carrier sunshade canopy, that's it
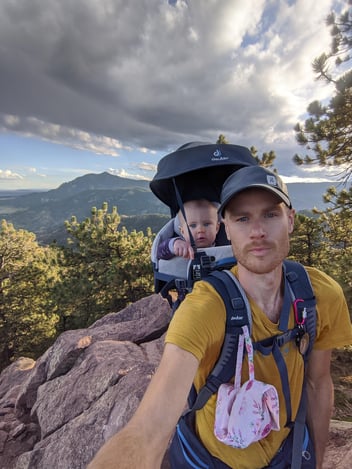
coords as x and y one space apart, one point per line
199 170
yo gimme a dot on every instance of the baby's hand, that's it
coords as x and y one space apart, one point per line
183 249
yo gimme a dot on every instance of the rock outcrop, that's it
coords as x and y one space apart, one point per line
57 412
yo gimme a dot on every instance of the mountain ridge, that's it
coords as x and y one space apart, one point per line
44 212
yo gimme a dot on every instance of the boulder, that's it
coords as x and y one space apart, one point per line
58 411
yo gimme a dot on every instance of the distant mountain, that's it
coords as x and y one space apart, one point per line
305 196
18 192
95 182
44 213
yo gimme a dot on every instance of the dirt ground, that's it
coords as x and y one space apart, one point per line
341 371
339 449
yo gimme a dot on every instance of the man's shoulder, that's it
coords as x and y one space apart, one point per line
333 319
322 282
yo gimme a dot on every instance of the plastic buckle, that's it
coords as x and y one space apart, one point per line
282 339
206 261
181 285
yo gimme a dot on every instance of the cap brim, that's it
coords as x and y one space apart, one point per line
281 195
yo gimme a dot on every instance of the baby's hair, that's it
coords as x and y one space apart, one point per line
216 205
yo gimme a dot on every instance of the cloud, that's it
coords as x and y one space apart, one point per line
146 150
8 174
125 174
147 166
74 138
113 75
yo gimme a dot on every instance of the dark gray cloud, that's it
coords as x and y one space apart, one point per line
154 73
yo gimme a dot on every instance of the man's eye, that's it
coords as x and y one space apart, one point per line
242 219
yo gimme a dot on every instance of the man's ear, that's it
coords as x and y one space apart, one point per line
226 230
291 220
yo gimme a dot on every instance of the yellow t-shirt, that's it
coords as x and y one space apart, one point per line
198 326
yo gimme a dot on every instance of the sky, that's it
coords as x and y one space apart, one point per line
88 86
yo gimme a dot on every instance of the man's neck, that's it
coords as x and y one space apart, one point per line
265 289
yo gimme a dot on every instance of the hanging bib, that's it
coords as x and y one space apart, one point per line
245 414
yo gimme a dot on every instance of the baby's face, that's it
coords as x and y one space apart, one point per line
202 219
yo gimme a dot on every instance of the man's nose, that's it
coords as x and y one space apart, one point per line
257 229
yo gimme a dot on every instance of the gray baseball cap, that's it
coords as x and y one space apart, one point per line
253 176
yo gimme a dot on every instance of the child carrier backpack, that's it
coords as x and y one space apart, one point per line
194 171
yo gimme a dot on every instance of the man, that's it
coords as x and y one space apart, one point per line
258 219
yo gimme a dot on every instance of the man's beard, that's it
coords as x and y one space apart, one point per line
262 264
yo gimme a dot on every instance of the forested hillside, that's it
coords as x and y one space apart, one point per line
45 290
44 213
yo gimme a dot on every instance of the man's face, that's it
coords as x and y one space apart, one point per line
258 226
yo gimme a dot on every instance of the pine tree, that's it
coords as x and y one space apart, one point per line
27 275
105 269
327 132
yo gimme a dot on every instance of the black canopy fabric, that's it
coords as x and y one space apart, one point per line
199 170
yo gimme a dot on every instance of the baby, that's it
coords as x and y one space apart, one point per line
203 223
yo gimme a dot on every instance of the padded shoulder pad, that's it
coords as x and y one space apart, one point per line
299 281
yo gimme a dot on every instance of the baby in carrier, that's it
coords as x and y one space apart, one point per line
202 223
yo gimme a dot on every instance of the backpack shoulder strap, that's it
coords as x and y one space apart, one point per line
238 314
302 292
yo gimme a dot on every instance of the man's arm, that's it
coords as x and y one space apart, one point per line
320 394
143 441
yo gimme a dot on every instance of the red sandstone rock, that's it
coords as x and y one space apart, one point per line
57 412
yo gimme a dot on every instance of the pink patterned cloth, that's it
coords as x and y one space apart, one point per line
245 414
